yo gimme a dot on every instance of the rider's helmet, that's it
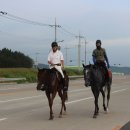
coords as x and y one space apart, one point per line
98 42
54 44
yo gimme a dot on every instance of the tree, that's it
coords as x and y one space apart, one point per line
10 59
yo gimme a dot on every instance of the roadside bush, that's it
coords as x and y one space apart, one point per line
31 74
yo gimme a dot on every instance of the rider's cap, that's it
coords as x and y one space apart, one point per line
98 41
54 44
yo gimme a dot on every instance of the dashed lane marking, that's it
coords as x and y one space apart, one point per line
2 119
17 99
20 99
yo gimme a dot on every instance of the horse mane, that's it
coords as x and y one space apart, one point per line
89 66
42 69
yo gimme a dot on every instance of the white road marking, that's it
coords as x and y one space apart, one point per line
2 119
126 82
119 90
17 99
77 90
10 89
93 97
20 99
79 100
25 98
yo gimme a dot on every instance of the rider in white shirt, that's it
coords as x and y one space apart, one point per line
56 60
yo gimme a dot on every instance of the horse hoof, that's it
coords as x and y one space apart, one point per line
106 110
51 118
94 116
60 116
65 113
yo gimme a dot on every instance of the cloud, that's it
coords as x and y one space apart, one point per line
120 42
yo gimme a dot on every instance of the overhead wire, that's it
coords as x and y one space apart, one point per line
23 20
65 30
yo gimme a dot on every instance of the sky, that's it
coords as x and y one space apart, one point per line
108 21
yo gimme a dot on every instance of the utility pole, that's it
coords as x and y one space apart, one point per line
56 26
79 47
85 50
55 30
66 54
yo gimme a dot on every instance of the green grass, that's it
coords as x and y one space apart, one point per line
74 70
31 74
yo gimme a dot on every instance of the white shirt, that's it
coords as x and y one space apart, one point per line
55 57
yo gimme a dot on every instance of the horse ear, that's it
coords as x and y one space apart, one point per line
83 65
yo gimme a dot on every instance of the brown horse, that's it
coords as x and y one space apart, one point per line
52 79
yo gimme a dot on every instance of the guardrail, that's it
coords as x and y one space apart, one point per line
75 77
11 79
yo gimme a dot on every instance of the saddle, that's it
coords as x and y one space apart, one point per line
107 73
63 81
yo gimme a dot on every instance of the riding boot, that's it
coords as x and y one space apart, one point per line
65 88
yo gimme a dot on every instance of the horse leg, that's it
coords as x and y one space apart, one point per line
65 97
103 95
96 95
50 105
96 108
50 100
61 94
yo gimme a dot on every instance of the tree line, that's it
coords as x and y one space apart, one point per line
14 59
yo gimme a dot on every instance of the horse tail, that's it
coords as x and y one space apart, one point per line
108 89
65 91
109 83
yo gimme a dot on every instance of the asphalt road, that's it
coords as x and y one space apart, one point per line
22 107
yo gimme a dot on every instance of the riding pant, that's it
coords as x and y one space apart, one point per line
58 68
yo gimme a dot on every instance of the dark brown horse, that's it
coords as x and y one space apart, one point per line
52 79
95 77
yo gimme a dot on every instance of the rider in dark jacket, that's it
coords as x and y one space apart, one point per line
99 57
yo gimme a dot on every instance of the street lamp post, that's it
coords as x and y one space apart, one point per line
85 50
36 62
59 47
79 47
3 13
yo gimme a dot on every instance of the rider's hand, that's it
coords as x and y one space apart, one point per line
52 65
108 66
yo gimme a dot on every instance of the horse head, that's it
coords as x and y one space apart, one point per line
41 78
47 77
87 74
